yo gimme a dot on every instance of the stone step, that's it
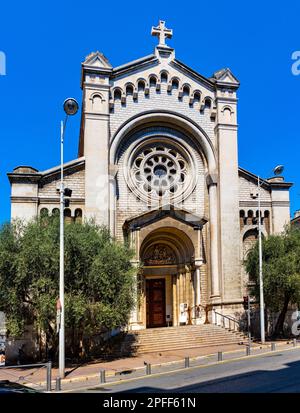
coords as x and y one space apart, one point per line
181 330
187 336
180 347
194 340
175 344
178 338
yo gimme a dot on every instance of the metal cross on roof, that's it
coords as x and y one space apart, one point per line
162 33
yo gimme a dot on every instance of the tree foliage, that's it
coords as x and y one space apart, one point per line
281 273
99 282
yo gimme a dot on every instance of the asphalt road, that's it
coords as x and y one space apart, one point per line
278 372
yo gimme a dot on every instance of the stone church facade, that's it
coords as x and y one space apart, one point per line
158 164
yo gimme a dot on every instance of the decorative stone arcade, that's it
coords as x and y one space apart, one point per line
168 245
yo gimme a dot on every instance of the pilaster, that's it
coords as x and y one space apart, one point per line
94 140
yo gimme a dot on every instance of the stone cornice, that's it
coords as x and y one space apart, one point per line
43 200
97 116
24 199
96 86
225 99
24 178
226 126
35 178
227 85
281 203
280 185
52 200
264 183
254 204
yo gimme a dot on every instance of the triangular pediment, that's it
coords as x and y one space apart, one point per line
97 60
226 76
149 217
153 65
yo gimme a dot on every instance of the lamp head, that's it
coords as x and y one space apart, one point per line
278 169
70 106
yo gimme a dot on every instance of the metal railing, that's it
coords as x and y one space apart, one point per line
24 374
227 321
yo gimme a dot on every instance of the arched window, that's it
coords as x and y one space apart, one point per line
55 211
249 217
44 212
242 218
207 103
186 91
152 81
129 90
67 215
117 94
197 97
141 86
78 216
175 84
164 77
266 221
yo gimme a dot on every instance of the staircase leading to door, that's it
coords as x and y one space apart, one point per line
177 338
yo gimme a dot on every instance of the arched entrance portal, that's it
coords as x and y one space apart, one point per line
167 255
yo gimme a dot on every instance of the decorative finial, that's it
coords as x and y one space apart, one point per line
162 33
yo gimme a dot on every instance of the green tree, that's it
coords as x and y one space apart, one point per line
281 273
99 282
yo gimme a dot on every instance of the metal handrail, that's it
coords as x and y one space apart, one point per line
38 366
236 322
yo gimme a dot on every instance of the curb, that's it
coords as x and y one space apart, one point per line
114 373
252 356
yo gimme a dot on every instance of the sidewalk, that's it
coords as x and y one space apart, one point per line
89 374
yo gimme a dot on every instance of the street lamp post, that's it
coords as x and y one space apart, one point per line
70 107
261 285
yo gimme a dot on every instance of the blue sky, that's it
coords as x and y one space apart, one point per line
45 42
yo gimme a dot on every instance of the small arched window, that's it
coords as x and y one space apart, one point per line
242 218
117 94
186 91
164 77
207 103
55 211
129 90
175 84
44 212
197 97
67 215
141 86
78 216
152 81
250 217
266 221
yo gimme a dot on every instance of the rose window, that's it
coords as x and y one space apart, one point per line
159 171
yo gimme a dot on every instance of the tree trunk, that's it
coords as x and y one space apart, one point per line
278 331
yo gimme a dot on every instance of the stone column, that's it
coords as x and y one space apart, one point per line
134 242
112 199
174 291
197 288
178 297
213 225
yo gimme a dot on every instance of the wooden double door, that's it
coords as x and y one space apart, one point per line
156 302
